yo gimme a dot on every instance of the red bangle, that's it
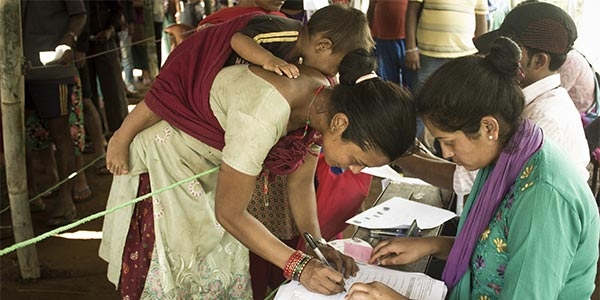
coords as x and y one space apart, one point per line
292 263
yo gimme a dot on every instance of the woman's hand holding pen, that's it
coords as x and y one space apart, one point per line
334 263
319 278
340 262
401 250
373 291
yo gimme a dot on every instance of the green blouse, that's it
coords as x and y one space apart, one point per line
542 242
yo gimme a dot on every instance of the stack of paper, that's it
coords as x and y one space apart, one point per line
413 285
388 173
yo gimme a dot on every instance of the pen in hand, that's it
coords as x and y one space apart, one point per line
313 245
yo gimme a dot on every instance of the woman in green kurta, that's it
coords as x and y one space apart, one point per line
530 227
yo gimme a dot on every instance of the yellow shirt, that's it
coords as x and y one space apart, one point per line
446 27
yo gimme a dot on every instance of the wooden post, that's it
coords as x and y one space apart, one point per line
12 97
150 45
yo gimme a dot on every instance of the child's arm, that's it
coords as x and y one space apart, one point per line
251 51
117 153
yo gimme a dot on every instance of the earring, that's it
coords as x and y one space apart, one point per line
490 137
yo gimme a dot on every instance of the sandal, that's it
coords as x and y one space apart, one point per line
82 195
57 221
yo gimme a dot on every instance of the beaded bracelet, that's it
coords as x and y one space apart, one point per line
295 265
300 267
291 264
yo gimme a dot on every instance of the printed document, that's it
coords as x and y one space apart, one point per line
416 286
399 213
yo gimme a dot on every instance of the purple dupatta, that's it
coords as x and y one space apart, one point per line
526 141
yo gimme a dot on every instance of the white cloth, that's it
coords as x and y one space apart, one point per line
462 184
549 106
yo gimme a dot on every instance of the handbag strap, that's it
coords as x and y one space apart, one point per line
596 105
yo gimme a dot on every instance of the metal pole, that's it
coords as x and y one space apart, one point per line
11 96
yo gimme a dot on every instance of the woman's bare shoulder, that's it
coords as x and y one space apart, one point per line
308 79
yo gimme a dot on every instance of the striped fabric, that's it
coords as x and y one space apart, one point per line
276 37
64 98
446 27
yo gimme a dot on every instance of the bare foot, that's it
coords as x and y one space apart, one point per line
117 155
62 216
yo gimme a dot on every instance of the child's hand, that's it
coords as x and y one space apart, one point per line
281 67
117 155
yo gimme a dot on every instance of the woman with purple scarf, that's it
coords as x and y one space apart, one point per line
530 227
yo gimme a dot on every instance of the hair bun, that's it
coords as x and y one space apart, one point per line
505 56
355 64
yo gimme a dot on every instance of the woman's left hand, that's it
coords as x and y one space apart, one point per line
373 291
340 262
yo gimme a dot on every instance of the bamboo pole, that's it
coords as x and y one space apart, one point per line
12 106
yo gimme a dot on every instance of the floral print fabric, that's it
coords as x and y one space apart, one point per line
37 134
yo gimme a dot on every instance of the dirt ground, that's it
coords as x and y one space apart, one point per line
70 268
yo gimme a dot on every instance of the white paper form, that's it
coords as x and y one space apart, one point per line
399 213
416 286
389 173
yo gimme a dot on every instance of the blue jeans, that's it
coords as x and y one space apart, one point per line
428 66
390 60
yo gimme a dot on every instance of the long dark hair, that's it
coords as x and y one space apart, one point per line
465 89
381 113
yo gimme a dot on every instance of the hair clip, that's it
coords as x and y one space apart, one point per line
366 77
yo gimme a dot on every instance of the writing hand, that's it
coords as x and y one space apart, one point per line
340 262
319 278
373 291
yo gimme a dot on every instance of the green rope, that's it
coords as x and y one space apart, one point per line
50 189
99 214
271 295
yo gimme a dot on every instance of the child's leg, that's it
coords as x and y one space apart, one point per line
117 153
